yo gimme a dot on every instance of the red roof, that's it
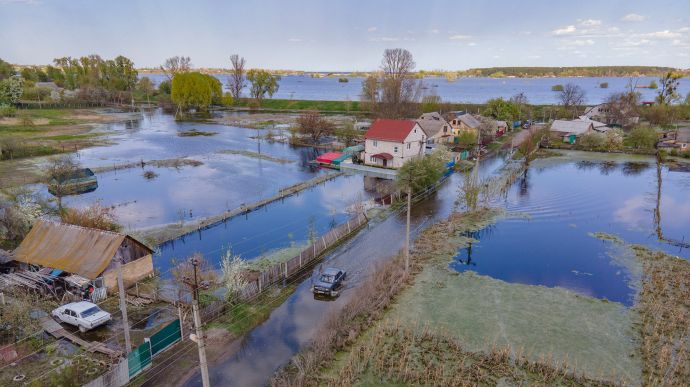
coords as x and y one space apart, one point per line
390 130
328 158
383 156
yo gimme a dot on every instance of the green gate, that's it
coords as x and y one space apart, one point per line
165 337
139 359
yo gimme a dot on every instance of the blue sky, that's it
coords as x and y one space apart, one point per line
351 35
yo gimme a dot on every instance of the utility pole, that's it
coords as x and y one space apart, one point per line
123 305
407 231
201 342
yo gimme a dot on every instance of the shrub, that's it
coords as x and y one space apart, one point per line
557 88
591 141
604 85
614 139
7 111
643 137
95 216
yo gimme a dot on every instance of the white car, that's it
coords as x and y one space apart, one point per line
83 314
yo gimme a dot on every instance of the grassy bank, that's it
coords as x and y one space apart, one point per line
295 104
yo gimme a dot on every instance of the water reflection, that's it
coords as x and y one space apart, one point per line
566 201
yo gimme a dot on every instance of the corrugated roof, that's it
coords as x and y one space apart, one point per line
74 249
574 127
390 130
469 120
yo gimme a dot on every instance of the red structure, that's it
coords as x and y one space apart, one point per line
327 158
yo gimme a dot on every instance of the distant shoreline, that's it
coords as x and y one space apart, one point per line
489 72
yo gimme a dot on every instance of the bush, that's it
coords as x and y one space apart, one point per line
592 141
604 85
643 137
614 139
95 216
557 88
7 111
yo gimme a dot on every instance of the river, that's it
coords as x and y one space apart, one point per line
467 90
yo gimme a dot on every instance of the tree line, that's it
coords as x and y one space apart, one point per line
576 71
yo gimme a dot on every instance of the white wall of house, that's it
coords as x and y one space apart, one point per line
412 146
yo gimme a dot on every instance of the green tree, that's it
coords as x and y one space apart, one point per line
6 70
11 89
420 173
501 109
145 86
669 88
263 83
467 140
195 90
643 137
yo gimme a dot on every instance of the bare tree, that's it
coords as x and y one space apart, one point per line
313 124
175 65
621 108
237 77
394 94
572 96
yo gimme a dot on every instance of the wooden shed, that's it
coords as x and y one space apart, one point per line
88 252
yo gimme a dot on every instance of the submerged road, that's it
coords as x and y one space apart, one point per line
293 324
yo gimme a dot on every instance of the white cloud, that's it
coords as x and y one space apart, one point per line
295 40
590 22
684 29
580 42
435 31
459 37
372 29
633 17
565 30
472 44
665 34
384 39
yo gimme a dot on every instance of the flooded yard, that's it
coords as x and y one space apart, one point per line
562 202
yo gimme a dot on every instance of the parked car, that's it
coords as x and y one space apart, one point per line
330 281
83 314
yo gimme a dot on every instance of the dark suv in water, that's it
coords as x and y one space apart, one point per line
329 282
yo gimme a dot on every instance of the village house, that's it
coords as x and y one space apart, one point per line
569 131
437 129
390 143
601 113
464 123
676 139
86 252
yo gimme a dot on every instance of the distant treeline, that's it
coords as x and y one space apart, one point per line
583 71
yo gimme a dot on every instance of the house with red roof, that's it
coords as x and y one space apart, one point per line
390 143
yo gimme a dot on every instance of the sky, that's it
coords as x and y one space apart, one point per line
333 35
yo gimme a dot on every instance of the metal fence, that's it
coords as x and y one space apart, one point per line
285 270
140 358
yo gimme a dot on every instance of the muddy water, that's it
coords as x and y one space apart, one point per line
564 200
293 324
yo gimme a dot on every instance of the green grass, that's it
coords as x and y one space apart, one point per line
243 317
293 104
69 137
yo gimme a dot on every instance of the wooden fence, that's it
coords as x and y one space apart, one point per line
283 271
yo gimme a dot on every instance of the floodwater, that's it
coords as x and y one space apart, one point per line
293 324
470 90
563 202
224 181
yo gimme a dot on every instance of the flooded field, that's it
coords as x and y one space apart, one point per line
562 202
231 172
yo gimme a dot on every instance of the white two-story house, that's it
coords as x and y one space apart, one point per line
390 143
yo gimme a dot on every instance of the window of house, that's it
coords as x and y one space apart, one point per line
445 129
395 149
409 145
376 143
